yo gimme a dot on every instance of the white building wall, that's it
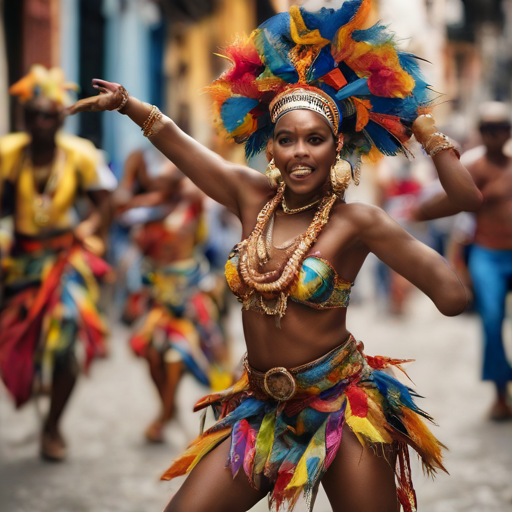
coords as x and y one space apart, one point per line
127 50
69 49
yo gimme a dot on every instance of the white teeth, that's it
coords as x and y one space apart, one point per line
301 171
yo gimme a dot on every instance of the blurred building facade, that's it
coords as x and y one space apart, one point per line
163 52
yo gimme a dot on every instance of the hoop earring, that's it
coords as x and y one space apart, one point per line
341 174
273 174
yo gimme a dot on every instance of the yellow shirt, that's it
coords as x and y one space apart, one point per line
73 170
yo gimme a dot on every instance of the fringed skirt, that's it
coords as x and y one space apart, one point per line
50 297
182 322
287 425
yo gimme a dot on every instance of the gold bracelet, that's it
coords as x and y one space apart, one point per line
125 97
438 142
153 117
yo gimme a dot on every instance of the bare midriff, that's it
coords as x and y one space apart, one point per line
494 225
494 218
305 335
163 246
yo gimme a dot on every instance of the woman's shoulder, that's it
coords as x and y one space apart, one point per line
359 212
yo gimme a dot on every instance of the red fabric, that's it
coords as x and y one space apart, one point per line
20 339
358 401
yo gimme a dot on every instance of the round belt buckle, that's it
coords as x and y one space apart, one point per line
280 384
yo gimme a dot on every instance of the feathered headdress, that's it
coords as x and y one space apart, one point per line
42 82
377 89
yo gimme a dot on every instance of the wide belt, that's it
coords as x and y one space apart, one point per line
280 383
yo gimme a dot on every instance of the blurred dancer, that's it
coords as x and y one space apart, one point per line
181 330
490 260
48 313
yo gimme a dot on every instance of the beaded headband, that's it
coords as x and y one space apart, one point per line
300 98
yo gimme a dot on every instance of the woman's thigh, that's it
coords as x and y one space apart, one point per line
358 480
210 487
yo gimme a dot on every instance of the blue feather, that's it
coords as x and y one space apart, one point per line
234 110
258 140
328 21
357 88
376 35
386 143
397 394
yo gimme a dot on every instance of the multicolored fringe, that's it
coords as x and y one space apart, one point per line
52 303
184 318
293 443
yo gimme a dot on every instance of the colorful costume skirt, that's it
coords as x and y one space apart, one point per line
50 296
287 425
182 320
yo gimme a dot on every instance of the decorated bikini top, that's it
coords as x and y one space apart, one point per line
318 285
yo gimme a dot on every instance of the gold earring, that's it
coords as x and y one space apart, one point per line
341 174
273 174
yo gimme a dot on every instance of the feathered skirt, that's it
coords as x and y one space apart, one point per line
287 425
182 318
50 297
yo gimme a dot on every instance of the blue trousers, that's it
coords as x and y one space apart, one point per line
491 270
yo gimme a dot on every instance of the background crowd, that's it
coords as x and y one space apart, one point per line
162 295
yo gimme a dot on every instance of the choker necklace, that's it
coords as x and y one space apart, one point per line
292 211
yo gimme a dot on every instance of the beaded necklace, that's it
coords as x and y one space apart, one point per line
269 291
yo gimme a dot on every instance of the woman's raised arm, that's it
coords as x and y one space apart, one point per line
419 264
462 194
229 184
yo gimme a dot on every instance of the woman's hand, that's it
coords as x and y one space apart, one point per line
110 97
423 127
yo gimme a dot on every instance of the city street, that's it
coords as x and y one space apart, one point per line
111 468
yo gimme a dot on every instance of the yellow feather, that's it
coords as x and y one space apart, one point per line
362 426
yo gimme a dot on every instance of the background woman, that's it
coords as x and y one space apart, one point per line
314 89
181 329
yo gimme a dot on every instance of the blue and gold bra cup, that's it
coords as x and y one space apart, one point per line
318 285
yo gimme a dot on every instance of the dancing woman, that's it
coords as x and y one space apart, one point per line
49 313
181 329
315 90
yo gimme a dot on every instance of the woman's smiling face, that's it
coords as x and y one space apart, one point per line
304 150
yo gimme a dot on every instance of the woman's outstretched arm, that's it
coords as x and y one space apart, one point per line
229 184
419 264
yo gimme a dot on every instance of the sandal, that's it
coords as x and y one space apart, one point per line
53 447
155 432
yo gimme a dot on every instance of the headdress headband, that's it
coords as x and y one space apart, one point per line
300 98
378 91
46 83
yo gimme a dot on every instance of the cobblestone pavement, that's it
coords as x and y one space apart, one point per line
111 468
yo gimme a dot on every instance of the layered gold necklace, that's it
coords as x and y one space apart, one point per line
269 291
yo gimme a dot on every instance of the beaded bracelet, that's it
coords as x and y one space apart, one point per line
125 97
